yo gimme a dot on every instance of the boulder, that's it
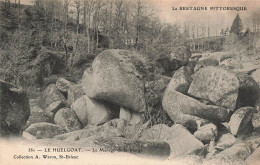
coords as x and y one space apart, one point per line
206 133
44 130
116 76
206 62
254 158
177 104
237 153
75 92
256 121
67 119
53 108
180 81
240 121
223 88
91 111
14 109
225 141
181 141
63 85
50 95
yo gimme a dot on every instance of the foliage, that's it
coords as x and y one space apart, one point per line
237 26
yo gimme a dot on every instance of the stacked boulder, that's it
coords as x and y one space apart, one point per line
213 108
216 104
112 87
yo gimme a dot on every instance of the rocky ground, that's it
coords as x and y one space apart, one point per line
212 98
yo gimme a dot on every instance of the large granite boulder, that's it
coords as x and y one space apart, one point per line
91 111
14 109
224 88
50 95
177 104
116 76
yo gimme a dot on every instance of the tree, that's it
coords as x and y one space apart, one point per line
237 26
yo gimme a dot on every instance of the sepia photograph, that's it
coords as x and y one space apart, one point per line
129 82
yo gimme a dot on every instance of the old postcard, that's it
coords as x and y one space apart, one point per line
129 82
